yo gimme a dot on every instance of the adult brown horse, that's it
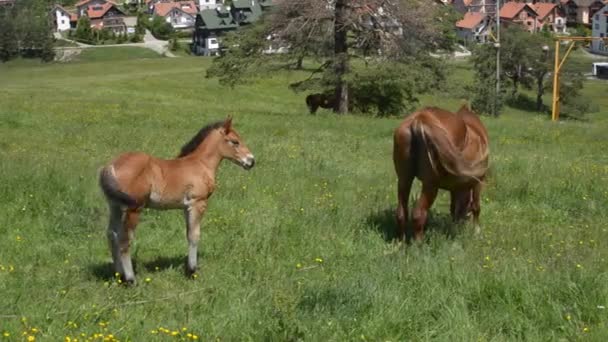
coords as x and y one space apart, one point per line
314 101
136 180
444 150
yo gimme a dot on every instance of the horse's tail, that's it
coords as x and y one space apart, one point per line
435 139
110 188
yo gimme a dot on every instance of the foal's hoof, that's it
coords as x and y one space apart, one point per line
191 272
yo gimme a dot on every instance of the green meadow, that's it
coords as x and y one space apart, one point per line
300 247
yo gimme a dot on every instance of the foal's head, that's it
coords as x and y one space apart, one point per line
233 148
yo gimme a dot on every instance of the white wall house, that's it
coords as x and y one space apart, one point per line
208 4
61 18
180 14
473 28
600 29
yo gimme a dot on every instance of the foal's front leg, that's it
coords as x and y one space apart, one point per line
194 214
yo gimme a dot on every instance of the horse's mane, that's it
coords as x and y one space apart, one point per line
191 145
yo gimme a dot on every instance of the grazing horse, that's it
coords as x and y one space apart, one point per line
136 180
444 150
314 101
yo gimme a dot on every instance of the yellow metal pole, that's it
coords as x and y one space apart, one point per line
566 55
555 113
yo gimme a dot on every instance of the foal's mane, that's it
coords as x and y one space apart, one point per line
196 140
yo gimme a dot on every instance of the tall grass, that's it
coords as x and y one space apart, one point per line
298 248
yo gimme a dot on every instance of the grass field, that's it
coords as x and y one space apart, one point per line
299 247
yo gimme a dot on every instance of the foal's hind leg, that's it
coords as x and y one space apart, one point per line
193 215
114 227
125 235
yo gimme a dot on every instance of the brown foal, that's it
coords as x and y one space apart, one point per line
136 180
444 150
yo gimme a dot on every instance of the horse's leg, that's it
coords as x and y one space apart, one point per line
114 227
453 199
125 236
427 197
476 206
193 215
403 194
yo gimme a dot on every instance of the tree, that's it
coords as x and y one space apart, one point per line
484 97
9 47
336 33
84 33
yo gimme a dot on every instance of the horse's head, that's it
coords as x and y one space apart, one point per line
233 148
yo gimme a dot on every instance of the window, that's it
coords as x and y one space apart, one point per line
596 26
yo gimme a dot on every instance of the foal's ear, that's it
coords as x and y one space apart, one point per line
228 124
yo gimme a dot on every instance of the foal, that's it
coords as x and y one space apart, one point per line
136 180
444 150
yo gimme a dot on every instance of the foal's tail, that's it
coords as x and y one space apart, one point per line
435 138
110 188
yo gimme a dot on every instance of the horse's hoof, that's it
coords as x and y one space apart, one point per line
191 272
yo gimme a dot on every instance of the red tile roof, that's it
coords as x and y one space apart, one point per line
83 2
511 9
470 20
96 12
163 8
543 9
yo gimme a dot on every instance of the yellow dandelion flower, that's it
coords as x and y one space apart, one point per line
585 329
184 328
579 266
174 333
298 265
34 330
319 260
18 238
68 339
195 276
31 338
568 317
154 332
6 334
194 337
189 335
148 280
487 258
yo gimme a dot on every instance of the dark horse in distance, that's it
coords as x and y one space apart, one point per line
444 150
326 100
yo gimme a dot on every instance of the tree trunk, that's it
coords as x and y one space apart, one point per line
540 90
299 62
341 56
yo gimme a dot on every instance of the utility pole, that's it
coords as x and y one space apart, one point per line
497 45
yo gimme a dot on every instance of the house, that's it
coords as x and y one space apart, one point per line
551 16
180 15
63 20
83 5
581 11
208 4
474 27
483 6
106 16
519 13
600 29
210 24
245 11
